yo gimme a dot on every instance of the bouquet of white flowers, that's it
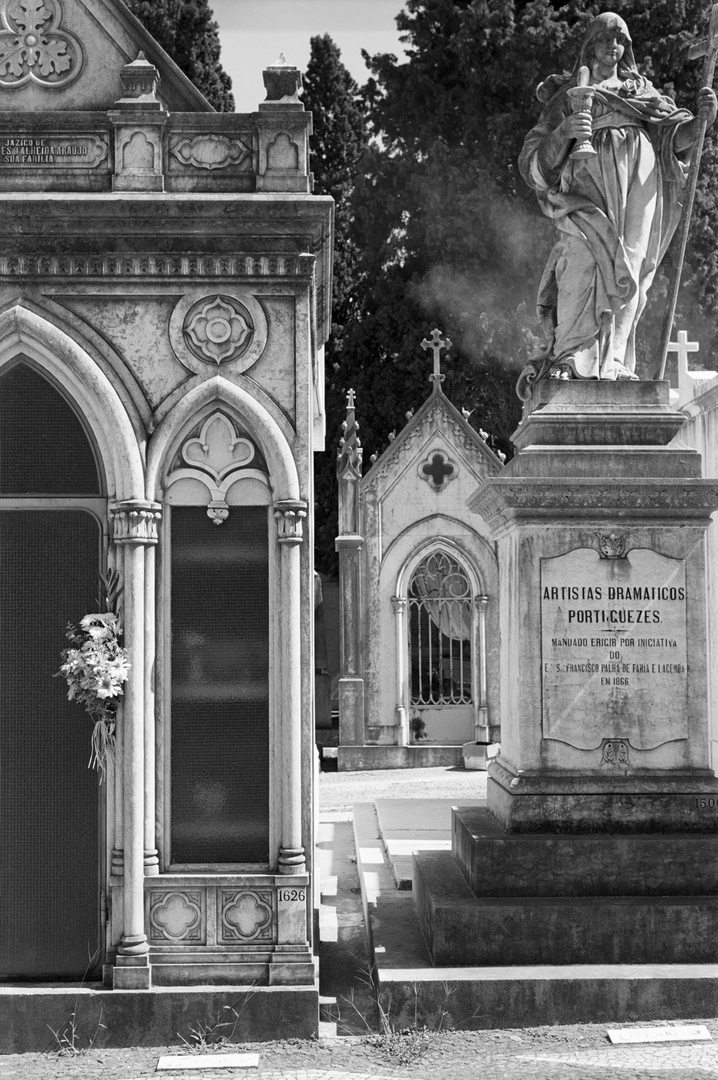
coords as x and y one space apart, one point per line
95 668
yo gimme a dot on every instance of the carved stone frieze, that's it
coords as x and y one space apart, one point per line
135 522
157 265
176 916
34 47
211 151
70 150
246 915
500 495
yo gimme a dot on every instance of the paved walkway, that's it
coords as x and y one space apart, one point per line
578 1052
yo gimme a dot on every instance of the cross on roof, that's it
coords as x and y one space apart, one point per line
436 343
351 399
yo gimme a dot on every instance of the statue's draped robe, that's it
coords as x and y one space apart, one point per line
615 214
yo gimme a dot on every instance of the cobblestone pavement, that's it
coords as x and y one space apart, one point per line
562 1053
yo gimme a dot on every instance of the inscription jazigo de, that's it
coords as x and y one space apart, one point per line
613 649
54 151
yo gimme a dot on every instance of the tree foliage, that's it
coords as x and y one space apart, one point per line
448 232
187 31
338 143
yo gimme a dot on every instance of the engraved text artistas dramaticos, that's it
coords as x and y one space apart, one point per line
614 648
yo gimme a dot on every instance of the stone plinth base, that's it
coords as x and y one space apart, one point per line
461 929
474 998
500 864
157 1017
358 758
634 803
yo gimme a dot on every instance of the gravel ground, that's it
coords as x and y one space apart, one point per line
580 1052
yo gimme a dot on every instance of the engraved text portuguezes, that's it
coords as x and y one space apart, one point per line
613 640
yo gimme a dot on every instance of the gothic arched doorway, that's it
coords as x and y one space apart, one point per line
52 514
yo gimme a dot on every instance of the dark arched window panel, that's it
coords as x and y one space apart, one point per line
44 448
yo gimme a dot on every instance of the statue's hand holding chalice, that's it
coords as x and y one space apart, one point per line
578 126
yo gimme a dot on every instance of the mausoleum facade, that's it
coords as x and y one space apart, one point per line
418 594
165 283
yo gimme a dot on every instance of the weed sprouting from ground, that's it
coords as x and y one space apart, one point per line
400 1043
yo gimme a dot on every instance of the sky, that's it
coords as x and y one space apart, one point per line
254 32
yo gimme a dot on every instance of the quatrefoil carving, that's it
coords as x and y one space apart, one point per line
177 916
247 915
33 48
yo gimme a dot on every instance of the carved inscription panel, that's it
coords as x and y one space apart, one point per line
613 649
53 151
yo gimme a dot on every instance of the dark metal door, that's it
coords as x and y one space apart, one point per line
49 805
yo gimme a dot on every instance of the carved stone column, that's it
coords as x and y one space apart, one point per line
348 545
151 856
400 717
290 515
134 528
482 717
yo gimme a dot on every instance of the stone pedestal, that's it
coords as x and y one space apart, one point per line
600 527
599 844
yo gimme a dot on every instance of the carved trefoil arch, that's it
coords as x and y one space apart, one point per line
216 454
34 47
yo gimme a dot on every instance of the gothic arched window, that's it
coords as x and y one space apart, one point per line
440 632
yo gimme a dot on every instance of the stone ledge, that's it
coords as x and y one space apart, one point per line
359 758
157 1017
461 929
500 864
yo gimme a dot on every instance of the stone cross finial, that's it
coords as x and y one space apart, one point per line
349 457
351 399
683 346
437 343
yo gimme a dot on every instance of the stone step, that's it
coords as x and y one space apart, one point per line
497 863
462 929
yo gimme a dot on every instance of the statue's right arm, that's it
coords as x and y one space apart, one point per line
554 148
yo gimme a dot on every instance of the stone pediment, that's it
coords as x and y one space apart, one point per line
440 422
67 56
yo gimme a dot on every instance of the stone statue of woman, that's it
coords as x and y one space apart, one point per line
614 195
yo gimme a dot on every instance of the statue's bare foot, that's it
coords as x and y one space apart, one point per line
562 371
622 372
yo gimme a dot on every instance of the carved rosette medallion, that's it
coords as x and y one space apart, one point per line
176 916
211 152
246 915
34 48
218 329
135 522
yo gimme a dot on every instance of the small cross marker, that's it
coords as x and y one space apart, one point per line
683 346
436 343
351 399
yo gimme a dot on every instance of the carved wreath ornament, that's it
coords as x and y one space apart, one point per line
33 48
218 329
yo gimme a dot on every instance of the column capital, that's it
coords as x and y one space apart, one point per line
481 601
290 515
135 521
399 604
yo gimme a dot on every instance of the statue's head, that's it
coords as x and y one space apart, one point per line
606 24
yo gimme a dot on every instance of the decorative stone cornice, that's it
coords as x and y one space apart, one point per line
511 496
290 515
157 265
135 522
